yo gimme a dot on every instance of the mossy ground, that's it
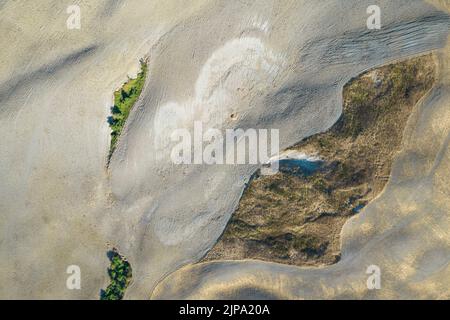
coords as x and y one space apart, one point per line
296 219
120 274
124 100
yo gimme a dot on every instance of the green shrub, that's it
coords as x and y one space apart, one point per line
120 275
124 100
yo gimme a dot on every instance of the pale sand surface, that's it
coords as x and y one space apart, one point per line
276 64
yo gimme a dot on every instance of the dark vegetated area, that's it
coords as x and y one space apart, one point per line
120 274
124 100
297 219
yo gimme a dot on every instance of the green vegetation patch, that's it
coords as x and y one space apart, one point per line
124 100
120 274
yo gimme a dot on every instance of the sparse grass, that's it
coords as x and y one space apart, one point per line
124 100
120 274
295 219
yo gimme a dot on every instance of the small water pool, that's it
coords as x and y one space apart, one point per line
304 167
299 163
358 208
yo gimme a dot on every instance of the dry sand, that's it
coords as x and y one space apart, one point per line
276 64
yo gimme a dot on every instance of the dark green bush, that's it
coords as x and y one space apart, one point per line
120 275
124 100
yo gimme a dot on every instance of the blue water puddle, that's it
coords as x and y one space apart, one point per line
358 208
303 167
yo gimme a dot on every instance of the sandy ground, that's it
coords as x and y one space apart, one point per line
276 64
